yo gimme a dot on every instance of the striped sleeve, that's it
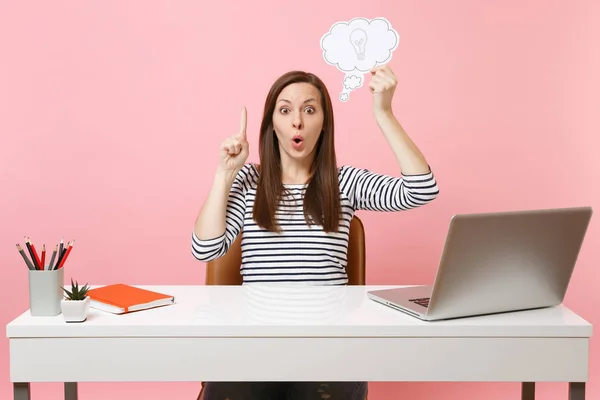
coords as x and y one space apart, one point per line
210 249
375 192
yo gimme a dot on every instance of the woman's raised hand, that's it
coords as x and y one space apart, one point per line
235 149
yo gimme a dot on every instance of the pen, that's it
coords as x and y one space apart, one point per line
29 265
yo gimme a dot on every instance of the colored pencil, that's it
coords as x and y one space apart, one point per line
30 253
61 254
51 265
43 264
68 250
29 264
35 254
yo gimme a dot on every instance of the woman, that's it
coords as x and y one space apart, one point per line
294 209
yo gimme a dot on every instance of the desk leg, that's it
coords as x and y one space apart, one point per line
70 390
21 391
528 391
576 390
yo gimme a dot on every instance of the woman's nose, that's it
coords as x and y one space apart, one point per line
297 122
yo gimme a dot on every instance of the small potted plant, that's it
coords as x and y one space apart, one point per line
76 303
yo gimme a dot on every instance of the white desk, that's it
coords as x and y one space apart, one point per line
254 333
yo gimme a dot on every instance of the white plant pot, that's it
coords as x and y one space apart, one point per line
75 310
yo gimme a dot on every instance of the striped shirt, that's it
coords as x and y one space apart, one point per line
303 253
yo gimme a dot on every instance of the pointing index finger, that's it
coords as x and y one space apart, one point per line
243 122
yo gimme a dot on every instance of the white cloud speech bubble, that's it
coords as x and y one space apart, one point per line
356 46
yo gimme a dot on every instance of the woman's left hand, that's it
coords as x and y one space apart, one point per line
383 84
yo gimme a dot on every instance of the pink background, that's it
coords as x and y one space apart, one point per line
111 114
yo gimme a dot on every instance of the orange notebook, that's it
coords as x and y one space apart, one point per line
121 298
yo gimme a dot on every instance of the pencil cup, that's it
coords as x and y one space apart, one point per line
45 292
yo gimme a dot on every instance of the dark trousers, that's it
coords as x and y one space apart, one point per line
285 391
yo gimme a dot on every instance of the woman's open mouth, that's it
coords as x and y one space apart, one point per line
297 142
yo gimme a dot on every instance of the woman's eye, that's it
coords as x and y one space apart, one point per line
286 110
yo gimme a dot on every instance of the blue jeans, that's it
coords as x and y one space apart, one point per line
285 391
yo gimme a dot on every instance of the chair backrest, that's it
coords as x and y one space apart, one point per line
225 270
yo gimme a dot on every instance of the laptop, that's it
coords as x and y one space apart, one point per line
498 262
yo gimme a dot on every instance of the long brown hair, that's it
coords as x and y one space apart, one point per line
322 197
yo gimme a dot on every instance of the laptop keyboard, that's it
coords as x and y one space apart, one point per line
423 301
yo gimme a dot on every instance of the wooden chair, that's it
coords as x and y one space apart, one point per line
225 270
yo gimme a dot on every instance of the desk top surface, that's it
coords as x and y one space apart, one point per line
292 311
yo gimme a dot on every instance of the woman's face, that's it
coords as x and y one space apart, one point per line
298 120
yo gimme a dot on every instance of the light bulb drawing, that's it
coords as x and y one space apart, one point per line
358 39
345 47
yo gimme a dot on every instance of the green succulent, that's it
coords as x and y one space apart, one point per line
76 292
